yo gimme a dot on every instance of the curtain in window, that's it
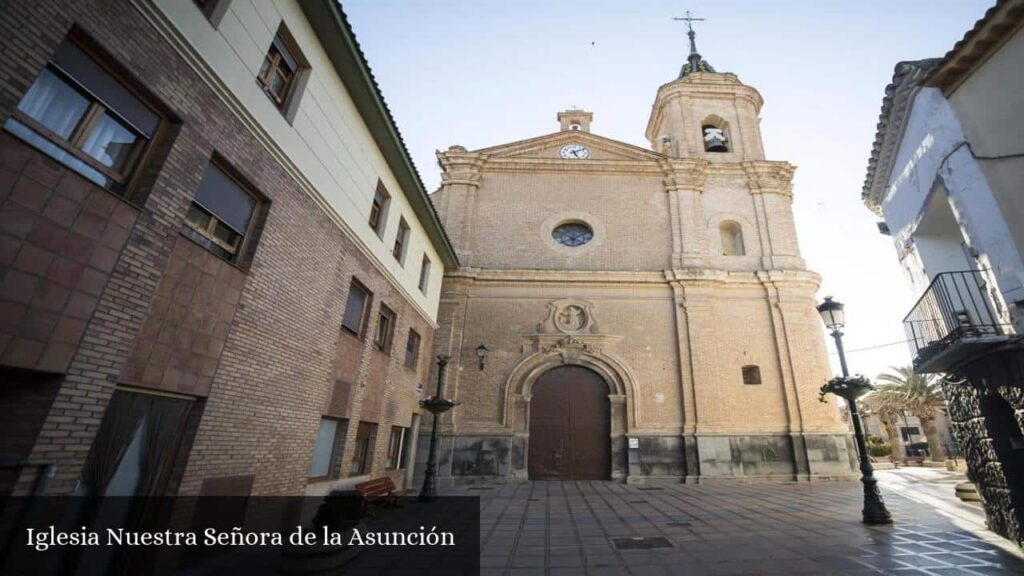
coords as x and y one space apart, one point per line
110 143
166 424
120 424
54 104
114 96
160 420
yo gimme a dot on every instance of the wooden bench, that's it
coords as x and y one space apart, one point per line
379 491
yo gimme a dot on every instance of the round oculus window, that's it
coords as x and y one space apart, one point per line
573 234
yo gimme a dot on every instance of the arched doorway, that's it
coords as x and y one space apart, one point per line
570 426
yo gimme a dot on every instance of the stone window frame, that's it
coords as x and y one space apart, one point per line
555 220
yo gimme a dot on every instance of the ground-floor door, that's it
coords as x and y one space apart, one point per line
570 426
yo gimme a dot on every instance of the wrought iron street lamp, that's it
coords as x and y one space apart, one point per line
436 405
850 389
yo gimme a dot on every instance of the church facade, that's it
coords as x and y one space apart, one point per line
633 314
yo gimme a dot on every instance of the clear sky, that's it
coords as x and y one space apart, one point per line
480 73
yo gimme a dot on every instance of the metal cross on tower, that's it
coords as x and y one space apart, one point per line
689 27
689 21
694 58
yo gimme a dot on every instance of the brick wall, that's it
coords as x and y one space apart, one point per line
107 291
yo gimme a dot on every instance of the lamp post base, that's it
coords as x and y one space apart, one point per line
429 491
875 512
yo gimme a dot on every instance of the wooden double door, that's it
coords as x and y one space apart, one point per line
570 426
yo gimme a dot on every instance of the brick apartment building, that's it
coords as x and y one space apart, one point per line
219 270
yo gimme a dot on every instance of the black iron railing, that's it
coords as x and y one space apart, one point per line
956 306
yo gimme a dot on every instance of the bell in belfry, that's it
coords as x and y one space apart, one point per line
714 139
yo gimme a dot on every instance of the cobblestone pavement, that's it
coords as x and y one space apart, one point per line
557 528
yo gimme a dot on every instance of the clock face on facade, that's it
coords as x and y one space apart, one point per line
574 152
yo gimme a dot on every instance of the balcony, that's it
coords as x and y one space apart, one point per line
955 319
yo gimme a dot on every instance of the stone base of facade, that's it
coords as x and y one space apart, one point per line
464 460
987 412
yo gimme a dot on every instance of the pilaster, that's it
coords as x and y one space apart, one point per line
683 347
448 340
700 352
684 183
794 416
771 192
460 180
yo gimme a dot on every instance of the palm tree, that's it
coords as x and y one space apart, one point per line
888 409
918 394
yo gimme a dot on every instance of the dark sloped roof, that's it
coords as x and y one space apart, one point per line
702 66
998 24
895 106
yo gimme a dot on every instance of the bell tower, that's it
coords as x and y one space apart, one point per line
706 114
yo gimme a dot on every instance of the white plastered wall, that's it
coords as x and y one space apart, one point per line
932 156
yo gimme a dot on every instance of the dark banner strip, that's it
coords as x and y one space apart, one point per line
339 534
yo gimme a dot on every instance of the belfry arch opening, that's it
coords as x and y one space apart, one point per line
715 134
570 426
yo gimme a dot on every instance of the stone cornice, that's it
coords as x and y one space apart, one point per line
462 167
684 173
610 277
569 166
691 277
767 177
459 166
522 147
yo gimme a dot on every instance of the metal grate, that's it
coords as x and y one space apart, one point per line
480 488
639 543
649 488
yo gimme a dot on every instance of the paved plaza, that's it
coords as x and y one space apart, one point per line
604 528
